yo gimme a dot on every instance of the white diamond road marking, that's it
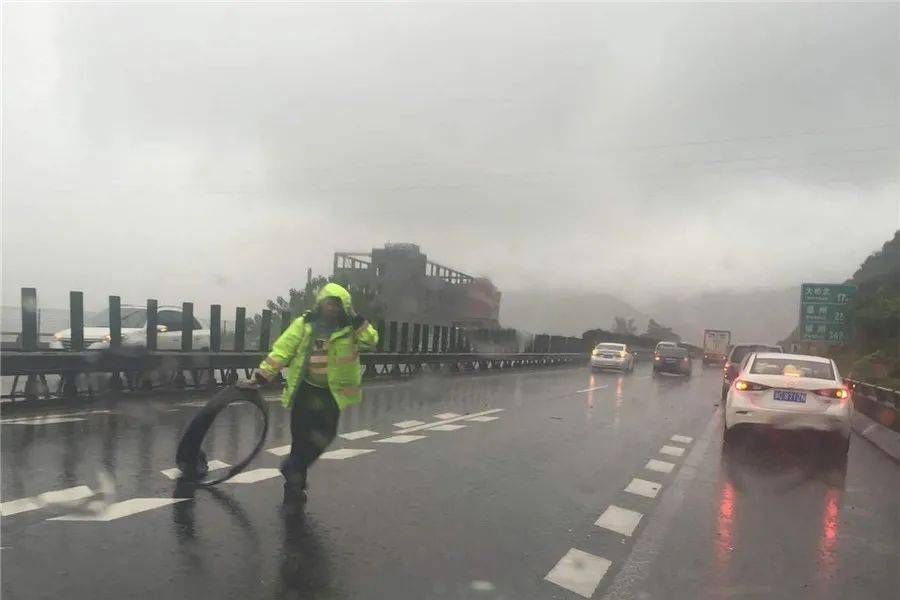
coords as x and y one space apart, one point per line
345 453
483 419
214 465
358 435
119 510
401 439
13 507
254 476
642 487
682 439
446 416
671 450
411 423
453 420
280 450
42 420
659 466
446 427
618 519
579 572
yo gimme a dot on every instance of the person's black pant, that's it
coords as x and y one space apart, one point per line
314 422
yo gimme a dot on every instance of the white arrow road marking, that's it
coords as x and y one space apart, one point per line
453 420
446 427
483 419
579 572
642 487
13 507
618 519
660 466
447 415
405 424
119 510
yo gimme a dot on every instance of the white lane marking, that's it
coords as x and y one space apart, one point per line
453 420
447 427
410 423
591 389
483 419
13 507
61 415
194 403
682 439
446 416
214 465
401 439
642 487
254 476
660 466
118 510
280 450
345 453
42 420
618 519
579 572
272 398
358 435
671 450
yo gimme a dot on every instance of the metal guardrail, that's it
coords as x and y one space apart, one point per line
135 369
880 404
885 396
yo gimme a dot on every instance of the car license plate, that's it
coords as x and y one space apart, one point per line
789 396
609 356
671 360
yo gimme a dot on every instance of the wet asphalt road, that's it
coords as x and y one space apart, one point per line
487 510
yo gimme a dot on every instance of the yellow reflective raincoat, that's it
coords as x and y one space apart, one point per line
344 370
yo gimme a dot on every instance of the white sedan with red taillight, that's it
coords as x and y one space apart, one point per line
790 391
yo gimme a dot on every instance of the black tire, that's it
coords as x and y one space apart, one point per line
839 445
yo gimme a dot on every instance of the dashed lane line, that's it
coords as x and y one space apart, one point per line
642 487
118 510
343 453
214 465
42 420
579 572
591 389
671 450
446 415
660 466
681 439
410 423
400 439
280 450
618 519
451 420
254 476
358 435
447 427
14 507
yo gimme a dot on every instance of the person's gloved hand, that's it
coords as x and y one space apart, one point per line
256 381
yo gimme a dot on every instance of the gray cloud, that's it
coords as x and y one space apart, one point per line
213 152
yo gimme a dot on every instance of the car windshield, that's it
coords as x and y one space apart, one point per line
611 347
740 352
131 318
792 367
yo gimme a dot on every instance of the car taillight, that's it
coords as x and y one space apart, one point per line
656 357
749 386
836 393
726 367
685 359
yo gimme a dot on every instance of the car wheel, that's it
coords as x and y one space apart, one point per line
839 444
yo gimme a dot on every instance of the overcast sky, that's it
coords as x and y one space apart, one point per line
213 152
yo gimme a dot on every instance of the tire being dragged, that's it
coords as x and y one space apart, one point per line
191 459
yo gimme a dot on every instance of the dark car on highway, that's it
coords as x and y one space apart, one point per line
671 359
736 356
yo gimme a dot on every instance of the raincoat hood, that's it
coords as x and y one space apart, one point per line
333 290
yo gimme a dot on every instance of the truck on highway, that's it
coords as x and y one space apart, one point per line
716 343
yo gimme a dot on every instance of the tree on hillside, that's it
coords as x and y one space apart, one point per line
661 332
624 326
881 263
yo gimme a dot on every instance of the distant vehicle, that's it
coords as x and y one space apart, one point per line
612 356
715 346
733 362
790 391
671 358
665 345
134 330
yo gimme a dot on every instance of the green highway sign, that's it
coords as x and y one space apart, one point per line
826 312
